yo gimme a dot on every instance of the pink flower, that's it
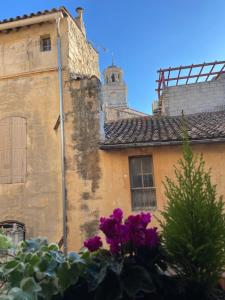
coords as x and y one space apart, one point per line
151 237
136 226
117 215
93 244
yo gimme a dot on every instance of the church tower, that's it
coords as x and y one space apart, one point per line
114 89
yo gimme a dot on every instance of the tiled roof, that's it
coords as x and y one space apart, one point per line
36 14
164 130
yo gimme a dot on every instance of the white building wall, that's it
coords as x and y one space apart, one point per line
194 98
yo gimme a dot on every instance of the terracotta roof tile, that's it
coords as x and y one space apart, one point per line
209 126
35 14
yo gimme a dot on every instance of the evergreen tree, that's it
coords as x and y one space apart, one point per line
193 230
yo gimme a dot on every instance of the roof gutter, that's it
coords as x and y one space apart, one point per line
159 144
31 21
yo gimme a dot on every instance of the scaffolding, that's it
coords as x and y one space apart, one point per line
189 74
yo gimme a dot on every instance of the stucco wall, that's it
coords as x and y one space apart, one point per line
37 201
29 89
194 98
116 180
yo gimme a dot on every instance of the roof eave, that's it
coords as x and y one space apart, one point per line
159 144
51 16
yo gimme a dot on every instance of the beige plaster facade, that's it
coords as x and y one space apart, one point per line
29 88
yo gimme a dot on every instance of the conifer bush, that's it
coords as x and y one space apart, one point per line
193 229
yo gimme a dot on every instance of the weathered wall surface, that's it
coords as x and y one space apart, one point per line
82 57
37 201
115 173
29 89
83 170
194 98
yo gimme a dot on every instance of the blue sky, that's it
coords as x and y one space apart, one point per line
144 35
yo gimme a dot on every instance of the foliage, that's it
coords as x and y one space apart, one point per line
38 271
5 242
194 224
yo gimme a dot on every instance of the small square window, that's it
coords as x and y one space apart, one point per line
45 43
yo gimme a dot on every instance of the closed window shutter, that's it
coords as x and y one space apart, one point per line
5 150
12 150
18 149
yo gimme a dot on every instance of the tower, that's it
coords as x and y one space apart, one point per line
114 89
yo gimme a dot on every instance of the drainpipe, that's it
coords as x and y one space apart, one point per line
64 204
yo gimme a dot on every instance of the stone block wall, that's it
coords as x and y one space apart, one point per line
194 98
82 57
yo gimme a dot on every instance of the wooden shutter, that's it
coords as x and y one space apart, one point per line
5 150
18 149
12 150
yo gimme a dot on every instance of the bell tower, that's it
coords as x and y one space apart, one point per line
114 89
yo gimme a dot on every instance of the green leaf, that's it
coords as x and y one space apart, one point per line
19 294
110 288
30 285
136 279
68 275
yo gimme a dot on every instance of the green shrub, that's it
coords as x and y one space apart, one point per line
193 229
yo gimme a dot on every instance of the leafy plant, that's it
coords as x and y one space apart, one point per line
130 268
193 229
38 271
5 242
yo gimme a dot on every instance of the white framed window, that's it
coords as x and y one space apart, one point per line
143 192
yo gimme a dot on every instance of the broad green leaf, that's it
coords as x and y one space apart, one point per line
136 279
30 285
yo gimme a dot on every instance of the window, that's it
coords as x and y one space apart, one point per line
113 77
14 230
45 43
142 183
12 150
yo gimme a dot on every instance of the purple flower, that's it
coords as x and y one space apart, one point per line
151 237
93 244
108 226
145 219
117 215
136 226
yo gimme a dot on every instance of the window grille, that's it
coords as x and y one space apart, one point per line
45 43
143 192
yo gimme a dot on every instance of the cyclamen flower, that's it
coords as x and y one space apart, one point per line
152 237
93 244
136 226
117 215
116 233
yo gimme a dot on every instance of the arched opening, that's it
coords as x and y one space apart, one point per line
113 77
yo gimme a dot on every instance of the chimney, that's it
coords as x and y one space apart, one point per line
79 20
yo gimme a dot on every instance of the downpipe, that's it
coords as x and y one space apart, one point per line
62 132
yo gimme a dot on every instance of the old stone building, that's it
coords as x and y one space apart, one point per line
56 182
114 96
31 78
